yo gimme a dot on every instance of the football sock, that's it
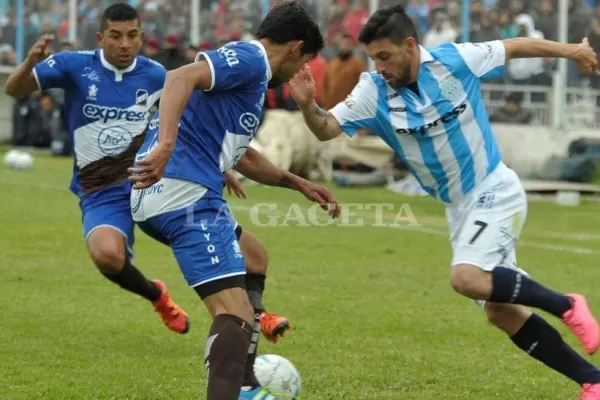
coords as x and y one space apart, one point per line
249 377
131 279
255 286
511 286
225 356
541 341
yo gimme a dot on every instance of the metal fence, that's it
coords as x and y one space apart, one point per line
579 107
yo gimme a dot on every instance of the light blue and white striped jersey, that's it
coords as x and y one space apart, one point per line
443 135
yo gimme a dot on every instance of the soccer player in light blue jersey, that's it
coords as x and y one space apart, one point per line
426 104
209 113
109 92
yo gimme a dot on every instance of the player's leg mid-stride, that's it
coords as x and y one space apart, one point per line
256 256
110 252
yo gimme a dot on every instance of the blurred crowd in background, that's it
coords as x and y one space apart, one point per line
337 69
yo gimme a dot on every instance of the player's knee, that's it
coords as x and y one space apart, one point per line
469 280
108 259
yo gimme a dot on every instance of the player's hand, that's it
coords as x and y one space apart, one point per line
234 185
150 170
586 58
302 87
321 195
39 51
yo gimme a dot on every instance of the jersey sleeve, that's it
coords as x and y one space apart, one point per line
234 66
54 72
359 110
485 60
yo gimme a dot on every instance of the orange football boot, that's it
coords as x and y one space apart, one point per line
273 326
172 315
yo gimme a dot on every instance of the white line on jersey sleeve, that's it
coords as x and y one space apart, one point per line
360 106
211 66
483 58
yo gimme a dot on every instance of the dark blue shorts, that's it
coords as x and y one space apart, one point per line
109 207
203 240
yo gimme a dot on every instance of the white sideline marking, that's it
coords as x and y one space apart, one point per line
420 229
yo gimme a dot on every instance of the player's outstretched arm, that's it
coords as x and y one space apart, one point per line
581 53
22 81
177 90
256 167
322 123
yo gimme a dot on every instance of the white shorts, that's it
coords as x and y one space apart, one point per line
486 224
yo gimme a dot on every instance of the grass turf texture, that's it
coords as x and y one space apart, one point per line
374 314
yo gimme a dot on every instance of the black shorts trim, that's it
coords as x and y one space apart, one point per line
212 287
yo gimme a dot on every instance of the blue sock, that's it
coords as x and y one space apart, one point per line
511 286
541 341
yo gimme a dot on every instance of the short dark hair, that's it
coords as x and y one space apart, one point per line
290 21
120 12
391 23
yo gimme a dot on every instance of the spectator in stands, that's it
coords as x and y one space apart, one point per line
8 32
545 19
7 55
318 68
238 30
419 11
86 33
34 120
343 73
512 112
355 18
151 49
22 117
487 29
67 46
171 56
518 7
476 12
529 71
190 53
52 125
441 30
508 28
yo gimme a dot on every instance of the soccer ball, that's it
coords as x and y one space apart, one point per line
278 375
20 160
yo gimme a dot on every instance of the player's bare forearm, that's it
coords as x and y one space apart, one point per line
321 123
176 93
539 48
177 90
256 167
21 81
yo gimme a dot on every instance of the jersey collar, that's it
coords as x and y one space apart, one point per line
265 55
118 72
425 55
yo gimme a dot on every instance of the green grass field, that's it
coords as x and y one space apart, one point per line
374 314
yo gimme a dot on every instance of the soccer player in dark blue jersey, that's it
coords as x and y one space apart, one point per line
209 113
108 96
